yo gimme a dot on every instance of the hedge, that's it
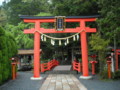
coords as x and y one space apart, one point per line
8 49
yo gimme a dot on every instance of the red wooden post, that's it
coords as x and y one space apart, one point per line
80 67
37 52
42 67
73 65
109 68
116 61
93 66
13 71
84 52
48 65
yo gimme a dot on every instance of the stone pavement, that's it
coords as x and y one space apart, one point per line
23 82
62 82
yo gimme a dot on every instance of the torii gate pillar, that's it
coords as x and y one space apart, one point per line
36 53
84 50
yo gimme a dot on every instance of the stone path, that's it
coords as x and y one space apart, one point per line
62 68
62 82
23 82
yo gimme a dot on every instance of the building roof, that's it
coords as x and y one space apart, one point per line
25 52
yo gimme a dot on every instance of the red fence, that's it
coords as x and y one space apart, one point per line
49 65
77 66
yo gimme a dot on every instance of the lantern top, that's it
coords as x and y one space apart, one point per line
52 17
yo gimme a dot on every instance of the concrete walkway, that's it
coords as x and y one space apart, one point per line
62 82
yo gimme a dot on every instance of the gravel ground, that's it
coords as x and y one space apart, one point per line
23 82
97 84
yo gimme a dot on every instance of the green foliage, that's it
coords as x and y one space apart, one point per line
2 32
109 23
116 75
3 17
74 7
23 7
23 40
104 74
44 14
8 49
98 43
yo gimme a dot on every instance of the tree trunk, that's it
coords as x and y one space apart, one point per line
102 60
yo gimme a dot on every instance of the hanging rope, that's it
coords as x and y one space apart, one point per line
59 38
44 37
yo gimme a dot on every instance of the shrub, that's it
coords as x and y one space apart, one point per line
8 49
104 74
116 75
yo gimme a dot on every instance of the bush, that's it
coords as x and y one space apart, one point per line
8 49
104 74
116 75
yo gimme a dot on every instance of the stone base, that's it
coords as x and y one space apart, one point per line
36 78
85 77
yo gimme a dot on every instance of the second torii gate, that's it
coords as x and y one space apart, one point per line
117 59
50 19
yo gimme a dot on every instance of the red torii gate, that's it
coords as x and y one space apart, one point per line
50 19
116 57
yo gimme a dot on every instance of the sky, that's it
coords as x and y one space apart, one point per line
1 2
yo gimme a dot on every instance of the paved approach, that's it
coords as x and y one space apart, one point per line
62 82
23 82
63 68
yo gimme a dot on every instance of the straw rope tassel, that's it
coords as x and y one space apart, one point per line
74 38
65 43
53 42
77 36
67 40
44 38
59 42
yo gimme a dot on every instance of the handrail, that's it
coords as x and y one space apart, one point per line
48 66
77 66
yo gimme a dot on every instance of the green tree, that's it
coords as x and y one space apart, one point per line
8 49
3 17
99 45
74 7
15 8
24 41
109 23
